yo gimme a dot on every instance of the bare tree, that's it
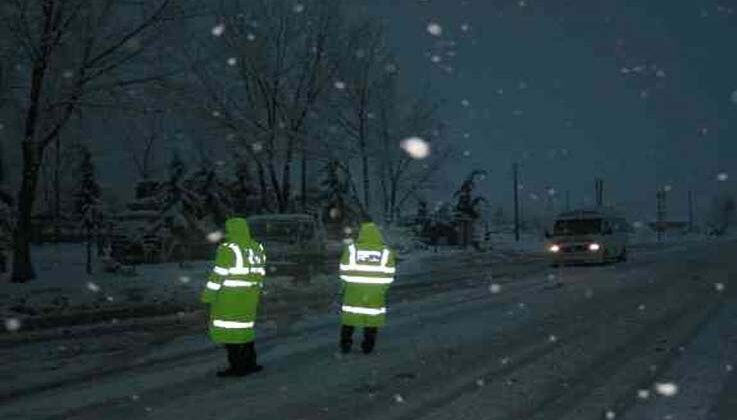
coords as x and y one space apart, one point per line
363 75
265 80
74 52
401 176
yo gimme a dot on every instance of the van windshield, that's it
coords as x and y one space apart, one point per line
577 227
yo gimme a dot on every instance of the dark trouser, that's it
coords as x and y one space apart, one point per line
242 357
369 338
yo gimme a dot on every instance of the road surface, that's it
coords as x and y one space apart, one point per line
652 338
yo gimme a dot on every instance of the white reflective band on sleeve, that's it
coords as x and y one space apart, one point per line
239 270
369 268
364 311
220 270
384 257
239 283
231 324
367 280
213 286
258 270
238 255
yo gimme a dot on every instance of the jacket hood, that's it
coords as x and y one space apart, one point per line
237 231
370 237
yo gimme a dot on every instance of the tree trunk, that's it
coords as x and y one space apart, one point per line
22 267
88 264
262 187
303 177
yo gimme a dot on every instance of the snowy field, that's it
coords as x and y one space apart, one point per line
653 338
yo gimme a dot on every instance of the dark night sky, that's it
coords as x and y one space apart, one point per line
639 93
636 92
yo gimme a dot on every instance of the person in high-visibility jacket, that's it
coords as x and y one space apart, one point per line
233 291
367 268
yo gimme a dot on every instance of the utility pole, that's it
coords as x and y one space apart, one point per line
516 202
690 211
599 186
660 212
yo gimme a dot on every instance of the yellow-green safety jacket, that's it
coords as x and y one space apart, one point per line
367 268
234 286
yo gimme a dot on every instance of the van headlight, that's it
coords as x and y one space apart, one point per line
554 248
594 247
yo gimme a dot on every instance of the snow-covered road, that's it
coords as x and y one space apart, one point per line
652 338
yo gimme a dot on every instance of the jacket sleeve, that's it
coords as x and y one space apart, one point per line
343 260
391 262
223 260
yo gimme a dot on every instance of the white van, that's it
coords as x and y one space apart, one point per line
588 236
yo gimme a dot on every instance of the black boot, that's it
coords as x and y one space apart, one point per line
247 360
369 339
346 338
233 355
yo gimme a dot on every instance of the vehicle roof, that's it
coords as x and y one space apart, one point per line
589 214
284 217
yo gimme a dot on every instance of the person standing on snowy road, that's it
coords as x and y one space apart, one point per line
367 269
233 291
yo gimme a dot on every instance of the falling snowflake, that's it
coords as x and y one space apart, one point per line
733 96
465 27
466 135
12 324
480 382
660 73
216 114
109 298
624 70
92 287
504 360
517 112
719 287
251 37
135 397
184 279
298 8
522 3
638 224
215 236
68 74
218 30
534 196
435 58
398 398
465 102
641 307
667 389
552 338
434 29
340 85
2 126
416 147
552 191
667 188
232 61
643 394
390 68
551 276
728 367
610 415
334 213
522 85
589 293
466 153
722 176
495 288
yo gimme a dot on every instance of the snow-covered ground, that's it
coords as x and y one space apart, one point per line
650 338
